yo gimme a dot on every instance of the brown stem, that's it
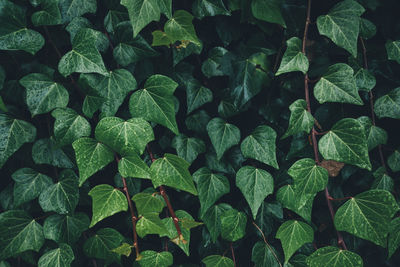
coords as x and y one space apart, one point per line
233 255
332 212
265 241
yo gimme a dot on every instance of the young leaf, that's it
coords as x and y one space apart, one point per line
196 95
300 119
394 236
91 156
393 50
223 135
75 8
125 249
217 261
101 244
211 8
65 228
180 27
133 166
293 59
212 219
150 223
50 15
268 11
346 142
388 106
172 171
152 258
107 201
375 135
260 145
255 184
233 225
147 202
294 234
188 148
334 257
367 215
59 257
45 151
394 161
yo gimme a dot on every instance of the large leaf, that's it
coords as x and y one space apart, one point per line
268 10
293 59
19 232
217 261
300 119
107 201
388 106
337 85
101 244
91 156
75 8
212 219
13 134
147 202
45 151
260 145
65 228
255 184
188 148
393 50
368 215
172 171
125 137
223 135
346 142
59 257
264 255
14 35
233 225
294 234
49 15
133 166
204 8
196 95
150 223
375 135
342 24
152 258
211 187
334 257
394 236
180 27
155 102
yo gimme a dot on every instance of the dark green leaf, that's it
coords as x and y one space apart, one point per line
74 8
293 59
382 180
45 151
204 8
388 106
263 255
59 257
394 161
49 15
133 166
394 236
367 29
196 95
223 135
334 257
188 148
212 219
147 202
233 225
101 244
217 261
217 63
180 27
365 81
393 50
65 228
152 258
300 119
375 135
268 10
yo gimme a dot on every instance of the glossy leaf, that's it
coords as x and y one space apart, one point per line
375 135
263 254
293 59
268 11
65 228
334 257
388 106
223 135
133 166
125 249
394 161
45 151
217 261
233 225
300 119
49 15
188 148
196 95
152 258
205 8
101 244
382 180
394 236
180 27
365 81
217 63
393 50
59 257
212 219
150 223
75 8
147 202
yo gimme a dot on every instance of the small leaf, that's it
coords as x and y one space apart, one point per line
367 29
188 148
375 135
101 244
393 50
107 201
394 161
152 258
217 261
211 8
334 257
293 59
180 27
212 219
233 225
260 145
268 11
217 63
223 135
394 236
294 234
59 257
45 151
388 106
75 8
264 255
196 95
49 15
146 203
300 119
365 81
65 228
125 249
150 223
382 180
133 166
255 184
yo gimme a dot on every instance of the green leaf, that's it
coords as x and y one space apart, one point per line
113 18
91 156
212 219
180 27
197 122
172 171
63 196
337 85
188 148
394 236
206 8
155 102
13 134
342 25
308 177
367 29
382 180
77 24
260 145
300 119
294 234
375 135
393 50
365 81
211 187
334 257
84 56
125 249
43 94
233 225
223 135
160 38
45 151
367 215
19 232
268 10
264 255
217 63
2 77
388 106
150 223
59 257
101 244
255 184
125 137
394 161
217 261
50 15
14 34
196 95
133 166
28 185
346 142
152 258
69 126
75 8
147 202
65 228
293 59
107 201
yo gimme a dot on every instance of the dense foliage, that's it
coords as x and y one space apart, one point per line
204 132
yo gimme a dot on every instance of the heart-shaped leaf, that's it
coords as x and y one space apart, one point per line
223 135
293 59
334 257
300 119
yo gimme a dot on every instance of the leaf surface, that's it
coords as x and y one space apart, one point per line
101 244
217 261
293 59
152 258
65 228
223 135
334 257
233 225
300 119
388 106
59 257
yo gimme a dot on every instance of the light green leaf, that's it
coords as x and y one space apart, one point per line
205 8
49 15
107 201
212 219
19 232
393 50
28 185
342 25
268 10
75 8
394 236
180 27
101 244
255 184
172 171
365 81
150 223
388 106
59 257
45 151
152 258
300 119
147 203
160 38
125 137
260 145
337 85
223 135
196 95
13 134
155 102
375 135
293 59
125 249
43 94
394 161
264 255
334 257
217 261
65 228
367 215
188 148
294 234
211 187
14 34
133 166
91 156
346 142
69 126
233 225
